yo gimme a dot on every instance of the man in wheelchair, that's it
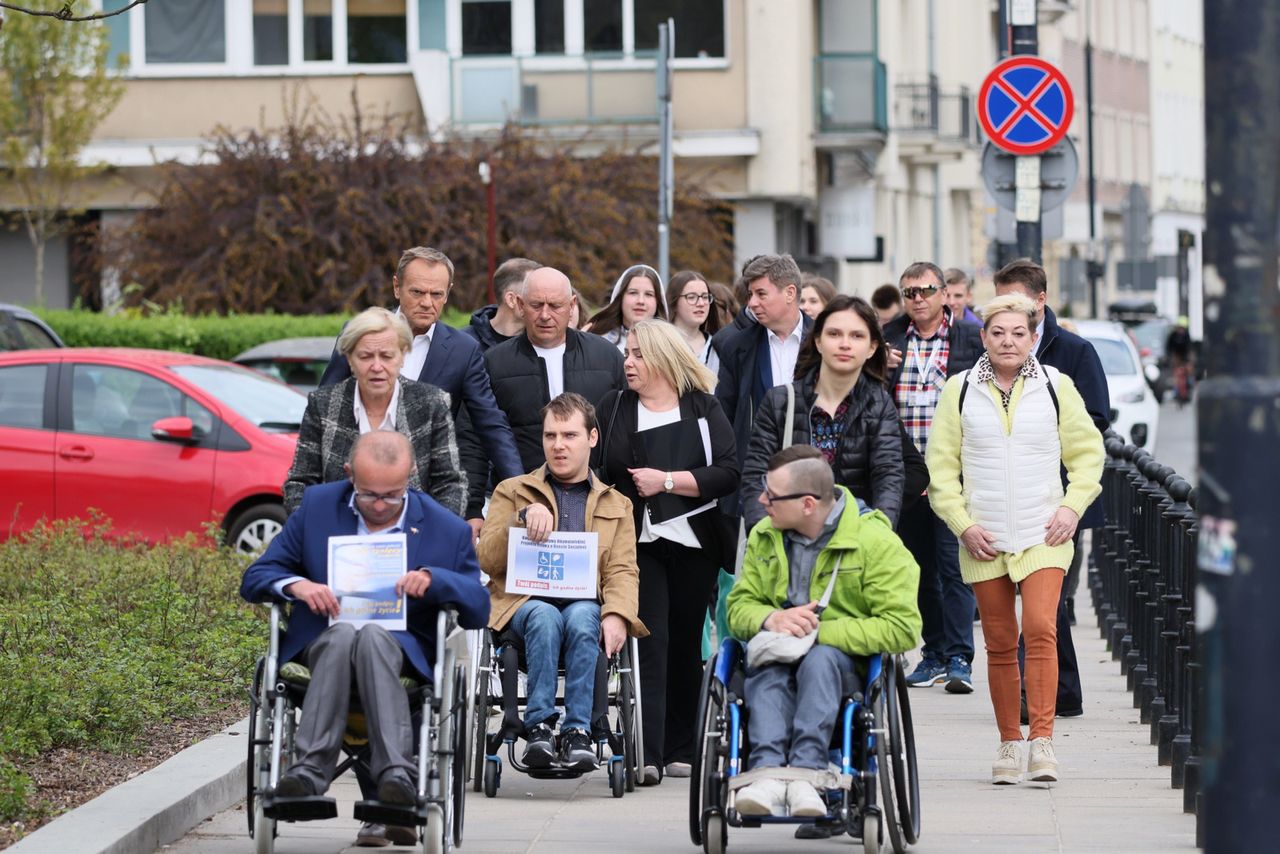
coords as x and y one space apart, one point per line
563 495
817 544
294 568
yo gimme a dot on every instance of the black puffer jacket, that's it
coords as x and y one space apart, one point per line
868 460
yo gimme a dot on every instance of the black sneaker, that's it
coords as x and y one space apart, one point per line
540 750
812 831
576 750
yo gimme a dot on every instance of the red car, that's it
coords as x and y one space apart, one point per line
159 442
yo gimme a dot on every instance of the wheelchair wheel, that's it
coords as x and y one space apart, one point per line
434 840
480 714
703 784
617 779
715 834
631 717
871 834
261 828
902 745
457 791
888 818
492 776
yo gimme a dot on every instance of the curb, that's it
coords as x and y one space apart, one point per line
154 808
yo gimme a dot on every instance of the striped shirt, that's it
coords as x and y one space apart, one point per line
924 373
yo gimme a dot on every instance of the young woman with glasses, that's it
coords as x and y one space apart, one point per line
693 312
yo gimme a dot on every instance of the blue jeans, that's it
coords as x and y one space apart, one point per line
946 602
547 630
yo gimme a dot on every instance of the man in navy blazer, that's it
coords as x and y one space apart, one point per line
450 360
443 571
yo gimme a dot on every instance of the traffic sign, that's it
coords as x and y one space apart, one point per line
1059 168
1025 105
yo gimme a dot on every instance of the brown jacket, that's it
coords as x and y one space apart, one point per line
608 515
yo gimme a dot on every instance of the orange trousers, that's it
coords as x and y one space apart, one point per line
1000 634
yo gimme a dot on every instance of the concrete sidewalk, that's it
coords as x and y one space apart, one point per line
1113 796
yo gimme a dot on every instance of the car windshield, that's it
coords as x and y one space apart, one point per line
1151 334
268 404
1117 359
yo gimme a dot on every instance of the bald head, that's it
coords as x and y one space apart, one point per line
383 449
546 299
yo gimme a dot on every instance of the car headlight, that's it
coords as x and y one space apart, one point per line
1131 397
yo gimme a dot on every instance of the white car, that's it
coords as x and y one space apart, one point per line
1135 412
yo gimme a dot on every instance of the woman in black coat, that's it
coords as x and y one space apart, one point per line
666 445
843 409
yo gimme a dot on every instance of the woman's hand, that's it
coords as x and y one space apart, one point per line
1061 527
538 523
648 481
979 542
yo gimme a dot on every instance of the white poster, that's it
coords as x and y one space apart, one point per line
363 572
562 567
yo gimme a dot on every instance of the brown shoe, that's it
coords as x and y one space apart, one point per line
372 835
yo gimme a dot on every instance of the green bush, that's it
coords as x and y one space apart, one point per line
205 335
99 640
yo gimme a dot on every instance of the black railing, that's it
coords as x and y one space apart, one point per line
1144 593
925 107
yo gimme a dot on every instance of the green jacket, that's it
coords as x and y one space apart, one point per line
873 606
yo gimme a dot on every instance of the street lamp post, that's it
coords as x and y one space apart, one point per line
491 230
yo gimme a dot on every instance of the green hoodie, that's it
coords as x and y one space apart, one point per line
873 606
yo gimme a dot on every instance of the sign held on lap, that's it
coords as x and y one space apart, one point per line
363 571
561 567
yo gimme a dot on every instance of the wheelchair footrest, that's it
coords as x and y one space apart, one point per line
819 779
377 812
310 808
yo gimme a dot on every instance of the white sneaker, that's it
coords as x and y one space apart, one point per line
803 800
1007 769
1042 765
763 797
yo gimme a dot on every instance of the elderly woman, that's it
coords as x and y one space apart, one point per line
636 296
666 444
1000 435
376 397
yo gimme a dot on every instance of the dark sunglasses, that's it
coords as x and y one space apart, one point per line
927 292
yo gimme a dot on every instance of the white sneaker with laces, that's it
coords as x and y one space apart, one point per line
1007 769
763 797
1042 764
803 800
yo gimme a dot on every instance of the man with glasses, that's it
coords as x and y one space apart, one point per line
827 541
449 359
928 345
442 571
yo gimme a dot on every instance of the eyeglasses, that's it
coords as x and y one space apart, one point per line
770 498
389 500
928 291
694 299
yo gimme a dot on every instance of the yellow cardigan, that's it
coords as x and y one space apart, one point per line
1082 454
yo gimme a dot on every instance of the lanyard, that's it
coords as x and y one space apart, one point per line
922 367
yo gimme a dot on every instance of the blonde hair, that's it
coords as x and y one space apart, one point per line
373 320
668 356
1015 303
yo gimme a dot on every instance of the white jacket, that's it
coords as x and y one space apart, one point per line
1012 482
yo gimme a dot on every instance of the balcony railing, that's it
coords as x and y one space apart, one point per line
849 90
591 90
925 108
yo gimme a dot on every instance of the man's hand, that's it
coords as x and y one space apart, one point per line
979 542
613 631
538 522
648 481
895 358
319 597
1061 527
414 583
798 621
476 524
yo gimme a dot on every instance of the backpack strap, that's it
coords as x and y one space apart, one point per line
964 390
1049 384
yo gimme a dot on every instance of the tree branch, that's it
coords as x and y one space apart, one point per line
66 13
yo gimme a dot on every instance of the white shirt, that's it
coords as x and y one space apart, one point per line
675 530
388 420
1039 337
783 352
417 355
554 357
362 530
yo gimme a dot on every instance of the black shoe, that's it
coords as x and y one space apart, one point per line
540 750
812 831
1070 713
398 835
396 788
295 786
576 751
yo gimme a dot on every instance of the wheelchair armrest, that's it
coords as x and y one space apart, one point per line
452 638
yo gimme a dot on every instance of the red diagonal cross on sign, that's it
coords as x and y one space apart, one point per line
1036 105
1026 105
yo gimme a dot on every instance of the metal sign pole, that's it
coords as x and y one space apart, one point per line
666 177
1025 38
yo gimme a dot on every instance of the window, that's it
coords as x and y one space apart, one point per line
699 26
486 27
183 31
122 403
34 337
22 396
376 31
317 31
602 26
270 32
548 26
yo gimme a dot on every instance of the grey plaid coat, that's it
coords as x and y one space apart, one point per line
329 429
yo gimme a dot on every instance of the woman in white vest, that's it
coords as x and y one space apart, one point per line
1000 434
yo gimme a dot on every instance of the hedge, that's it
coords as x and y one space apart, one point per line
206 335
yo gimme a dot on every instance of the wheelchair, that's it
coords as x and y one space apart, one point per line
874 797
616 715
439 712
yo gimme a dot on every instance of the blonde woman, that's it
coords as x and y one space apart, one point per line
1000 435
673 485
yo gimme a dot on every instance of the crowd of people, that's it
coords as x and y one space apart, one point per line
876 474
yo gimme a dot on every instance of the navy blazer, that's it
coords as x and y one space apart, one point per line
437 540
455 364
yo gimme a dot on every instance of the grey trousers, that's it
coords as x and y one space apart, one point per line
792 708
373 658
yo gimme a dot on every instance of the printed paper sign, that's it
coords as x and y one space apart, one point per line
562 567
363 572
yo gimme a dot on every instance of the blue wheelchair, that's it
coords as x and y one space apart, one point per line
874 797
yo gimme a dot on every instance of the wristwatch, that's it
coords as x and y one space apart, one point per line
668 484
521 514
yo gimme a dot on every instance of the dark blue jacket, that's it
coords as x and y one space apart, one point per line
1076 358
437 540
455 364
964 345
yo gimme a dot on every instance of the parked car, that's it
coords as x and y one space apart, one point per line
300 362
22 330
1135 412
161 443
1150 335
